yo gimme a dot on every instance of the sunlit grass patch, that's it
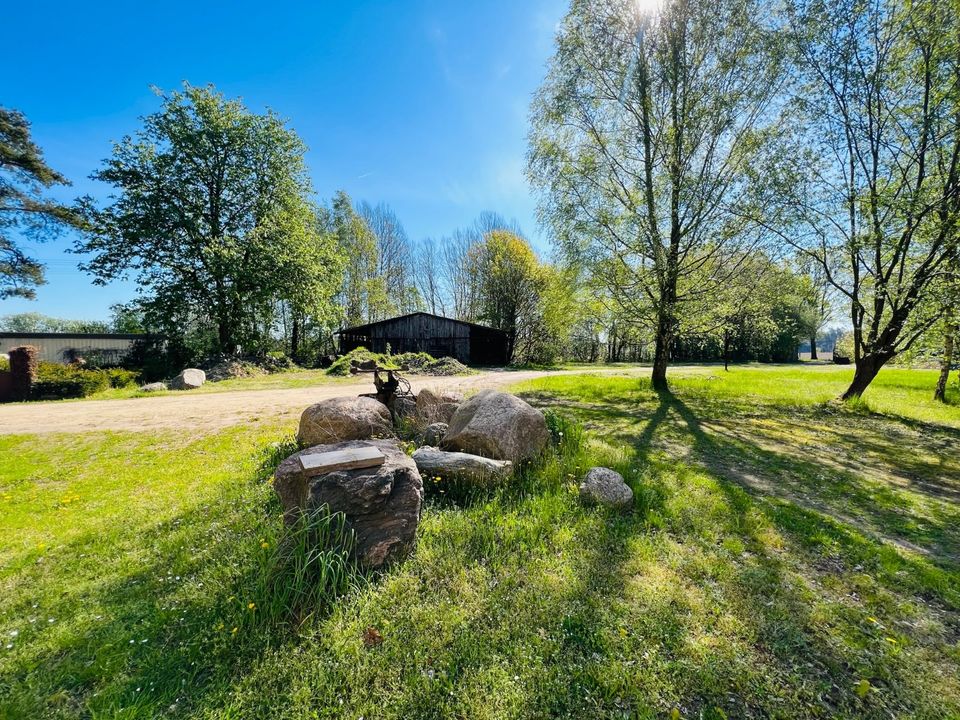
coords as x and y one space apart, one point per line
783 558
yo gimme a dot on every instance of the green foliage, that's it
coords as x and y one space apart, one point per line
122 378
420 363
342 364
68 381
363 290
212 265
24 176
640 184
309 567
36 322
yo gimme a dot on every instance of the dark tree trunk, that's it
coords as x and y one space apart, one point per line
225 337
813 347
661 355
940 394
726 350
295 337
867 368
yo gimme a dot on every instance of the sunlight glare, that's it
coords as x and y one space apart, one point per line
647 7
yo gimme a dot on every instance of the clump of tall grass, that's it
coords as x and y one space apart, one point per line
307 568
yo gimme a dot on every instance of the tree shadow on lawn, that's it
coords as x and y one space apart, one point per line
892 483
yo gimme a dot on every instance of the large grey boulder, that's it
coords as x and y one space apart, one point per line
435 407
344 418
154 387
460 466
189 379
497 425
381 504
434 433
606 487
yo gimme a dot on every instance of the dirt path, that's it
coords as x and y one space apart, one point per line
212 411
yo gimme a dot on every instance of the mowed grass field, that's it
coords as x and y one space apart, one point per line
786 557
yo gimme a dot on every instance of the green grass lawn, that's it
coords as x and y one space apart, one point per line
786 557
275 381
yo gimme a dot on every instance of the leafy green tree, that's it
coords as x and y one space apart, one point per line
643 135
510 284
871 192
212 215
36 322
364 293
24 175
394 258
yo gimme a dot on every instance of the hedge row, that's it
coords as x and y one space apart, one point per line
68 381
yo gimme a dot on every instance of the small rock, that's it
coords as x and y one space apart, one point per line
154 387
603 486
189 379
404 408
344 418
434 433
461 466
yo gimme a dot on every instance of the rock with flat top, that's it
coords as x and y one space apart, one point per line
606 487
381 503
154 387
460 466
344 418
499 426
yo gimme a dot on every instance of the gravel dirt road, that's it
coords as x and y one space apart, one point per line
213 411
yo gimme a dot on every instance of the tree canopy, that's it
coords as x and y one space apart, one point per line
212 215
24 211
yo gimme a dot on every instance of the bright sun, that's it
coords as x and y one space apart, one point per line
648 7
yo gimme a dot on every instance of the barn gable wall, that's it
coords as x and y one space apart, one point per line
432 334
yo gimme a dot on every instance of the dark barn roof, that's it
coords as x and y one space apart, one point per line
434 334
361 328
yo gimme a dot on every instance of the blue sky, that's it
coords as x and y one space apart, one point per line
421 104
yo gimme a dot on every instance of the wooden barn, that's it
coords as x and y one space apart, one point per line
423 332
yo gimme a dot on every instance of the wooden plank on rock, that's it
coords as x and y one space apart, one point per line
350 459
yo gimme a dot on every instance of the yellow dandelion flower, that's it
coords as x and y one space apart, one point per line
264 544
234 631
251 606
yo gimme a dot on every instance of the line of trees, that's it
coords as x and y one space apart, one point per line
675 150
212 214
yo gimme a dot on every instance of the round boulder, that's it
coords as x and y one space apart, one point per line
189 379
606 487
381 503
497 425
437 407
344 418
434 433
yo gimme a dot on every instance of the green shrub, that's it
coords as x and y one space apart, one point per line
67 381
342 364
416 363
120 378
4 364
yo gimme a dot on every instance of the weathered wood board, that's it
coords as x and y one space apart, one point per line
351 459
